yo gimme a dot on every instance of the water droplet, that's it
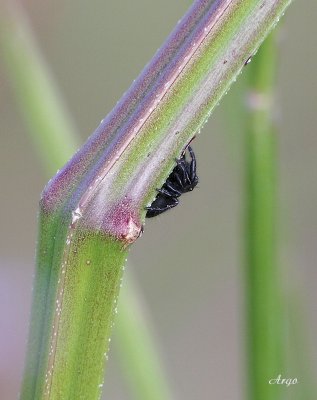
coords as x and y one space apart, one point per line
76 215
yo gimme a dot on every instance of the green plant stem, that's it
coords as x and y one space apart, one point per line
70 304
52 131
263 297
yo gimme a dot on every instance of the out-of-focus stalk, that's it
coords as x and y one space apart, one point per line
265 315
137 349
36 92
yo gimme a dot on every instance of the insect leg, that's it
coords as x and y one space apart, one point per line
165 192
172 189
192 164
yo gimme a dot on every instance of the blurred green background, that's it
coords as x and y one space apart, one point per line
95 50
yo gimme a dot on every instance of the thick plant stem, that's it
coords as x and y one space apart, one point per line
70 305
264 312
94 208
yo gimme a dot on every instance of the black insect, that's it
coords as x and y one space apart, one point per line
182 179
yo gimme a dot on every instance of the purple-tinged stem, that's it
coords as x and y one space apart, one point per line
95 206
